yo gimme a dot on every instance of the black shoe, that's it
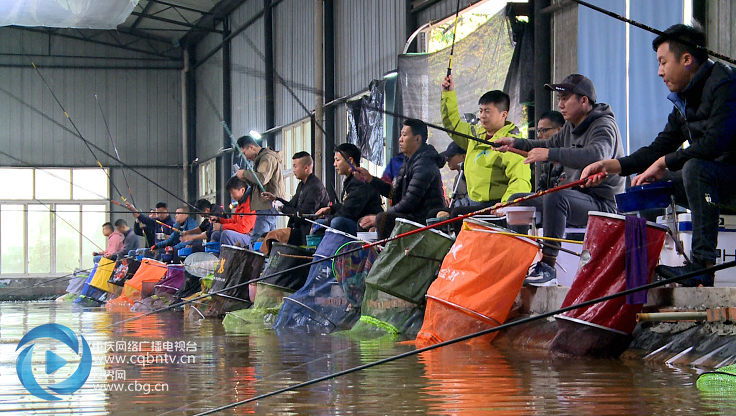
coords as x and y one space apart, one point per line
668 272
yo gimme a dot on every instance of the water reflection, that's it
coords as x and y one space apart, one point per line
207 367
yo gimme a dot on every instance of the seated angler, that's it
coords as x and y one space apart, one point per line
416 189
359 199
704 115
161 222
183 223
114 242
144 231
131 241
590 134
235 231
205 229
309 197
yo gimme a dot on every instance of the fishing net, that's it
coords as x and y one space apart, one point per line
124 269
399 279
237 266
197 266
320 305
722 380
194 310
164 293
75 287
271 291
477 284
605 328
90 295
148 274
351 269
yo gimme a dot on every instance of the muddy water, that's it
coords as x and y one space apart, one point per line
197 366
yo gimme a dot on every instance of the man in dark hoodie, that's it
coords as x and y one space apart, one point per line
266 171
704 96
131 241
358 198
590 134
417 188
161 222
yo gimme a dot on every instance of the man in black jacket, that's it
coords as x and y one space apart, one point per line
309 197
704 95
417 189
359 199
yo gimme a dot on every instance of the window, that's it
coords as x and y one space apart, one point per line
207 180
294 138
51 219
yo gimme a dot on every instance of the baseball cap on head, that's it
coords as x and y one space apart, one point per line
452 150
577 84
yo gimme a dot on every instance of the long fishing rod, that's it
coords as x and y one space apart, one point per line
47 117
365 246
66 114
109 134
454 32
233 141
655 31
45 282
475 335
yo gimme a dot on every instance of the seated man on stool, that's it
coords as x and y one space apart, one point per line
309 197
590 134
358 198
417 188
704 96
235 231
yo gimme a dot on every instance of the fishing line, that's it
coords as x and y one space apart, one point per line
473 335
655 31
233 141
44 115
364 246
109 134
79 133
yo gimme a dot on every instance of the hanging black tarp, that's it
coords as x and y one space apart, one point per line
365 125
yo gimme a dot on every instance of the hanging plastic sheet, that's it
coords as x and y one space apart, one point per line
150 272
603 329
477 284
365 125
80 14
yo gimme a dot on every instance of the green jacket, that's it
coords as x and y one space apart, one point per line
490 175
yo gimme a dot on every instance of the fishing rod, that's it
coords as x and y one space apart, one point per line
454 32
475 335
46 282
655 31
47 117
365 246
233 141
109 134
66 114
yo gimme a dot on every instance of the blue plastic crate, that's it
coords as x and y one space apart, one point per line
647 196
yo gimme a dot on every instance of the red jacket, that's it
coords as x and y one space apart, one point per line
242 224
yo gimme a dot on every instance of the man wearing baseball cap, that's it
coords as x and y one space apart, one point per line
455 157
590 134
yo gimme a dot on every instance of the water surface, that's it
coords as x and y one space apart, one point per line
212 368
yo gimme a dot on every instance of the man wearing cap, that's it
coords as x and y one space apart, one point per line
704 96
590 134
455 157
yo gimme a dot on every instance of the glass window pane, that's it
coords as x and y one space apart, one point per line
53 184
12 232
17 183
39 239
90 184
67 238
93 216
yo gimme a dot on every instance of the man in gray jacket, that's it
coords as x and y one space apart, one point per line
590 134
268 172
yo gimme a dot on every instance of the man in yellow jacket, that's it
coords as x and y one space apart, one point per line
491 176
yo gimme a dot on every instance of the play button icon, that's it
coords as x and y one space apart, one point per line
53 362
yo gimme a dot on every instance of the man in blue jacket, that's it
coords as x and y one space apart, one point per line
183 223
704 96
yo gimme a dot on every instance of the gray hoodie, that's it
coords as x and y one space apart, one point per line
595 138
